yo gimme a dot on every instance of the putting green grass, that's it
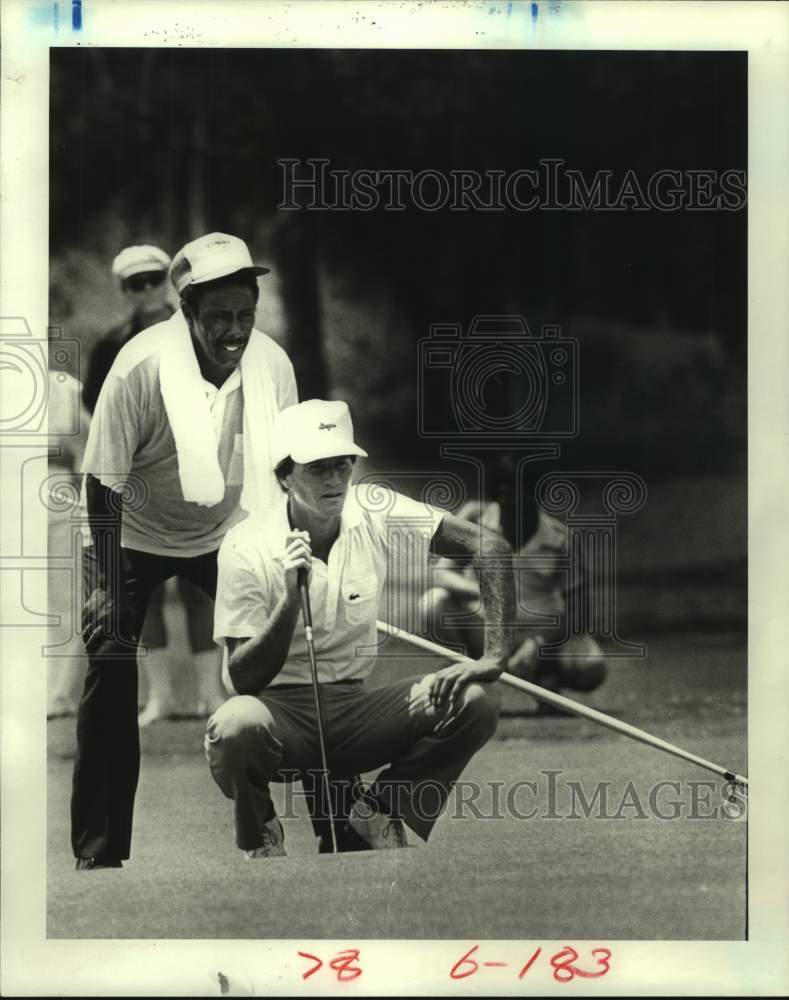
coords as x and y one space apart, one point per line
541 878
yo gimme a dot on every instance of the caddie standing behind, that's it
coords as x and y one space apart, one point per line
424 729
183 420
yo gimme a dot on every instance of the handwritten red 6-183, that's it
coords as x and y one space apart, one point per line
562 963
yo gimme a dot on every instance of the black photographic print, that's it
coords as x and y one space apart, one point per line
389 527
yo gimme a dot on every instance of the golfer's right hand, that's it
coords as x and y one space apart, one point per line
101 620
297 555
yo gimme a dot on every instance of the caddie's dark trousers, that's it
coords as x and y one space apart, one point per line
108 743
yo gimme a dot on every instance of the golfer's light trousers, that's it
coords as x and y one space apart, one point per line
252 741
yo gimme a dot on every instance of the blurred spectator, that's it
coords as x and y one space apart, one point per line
68 432
543 587
183 680
142 274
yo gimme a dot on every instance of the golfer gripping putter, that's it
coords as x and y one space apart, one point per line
296 657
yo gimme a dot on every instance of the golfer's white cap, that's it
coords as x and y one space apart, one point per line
139 260
310 431
211 257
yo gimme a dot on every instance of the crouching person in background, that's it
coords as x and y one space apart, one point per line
452 611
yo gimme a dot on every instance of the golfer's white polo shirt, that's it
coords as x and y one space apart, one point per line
378 527
130 440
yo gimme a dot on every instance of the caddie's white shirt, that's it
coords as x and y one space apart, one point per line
378 526
130 436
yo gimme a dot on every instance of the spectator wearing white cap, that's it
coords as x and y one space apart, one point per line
141 274
177 453
422 730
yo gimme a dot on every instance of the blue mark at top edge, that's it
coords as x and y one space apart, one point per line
47 15
535 12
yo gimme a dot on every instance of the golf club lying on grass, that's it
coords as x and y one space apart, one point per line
567 705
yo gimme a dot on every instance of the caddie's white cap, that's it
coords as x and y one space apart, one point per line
138 260
310 431
210 257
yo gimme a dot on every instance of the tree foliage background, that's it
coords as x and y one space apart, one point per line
162 145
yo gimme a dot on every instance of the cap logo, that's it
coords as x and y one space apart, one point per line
216 245
326 427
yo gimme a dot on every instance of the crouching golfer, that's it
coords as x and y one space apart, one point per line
424 730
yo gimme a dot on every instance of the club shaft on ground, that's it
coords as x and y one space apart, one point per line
568 705
306 610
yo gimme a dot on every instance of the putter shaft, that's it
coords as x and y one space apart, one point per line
306 611
568 705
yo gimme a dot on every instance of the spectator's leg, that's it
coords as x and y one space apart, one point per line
156 668
207 656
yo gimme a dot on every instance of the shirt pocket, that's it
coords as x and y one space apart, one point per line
359 599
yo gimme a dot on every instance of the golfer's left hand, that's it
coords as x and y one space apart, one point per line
448 683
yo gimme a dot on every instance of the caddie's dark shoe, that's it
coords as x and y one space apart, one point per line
93 864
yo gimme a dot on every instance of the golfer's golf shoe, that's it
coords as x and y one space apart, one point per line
380 831
273 845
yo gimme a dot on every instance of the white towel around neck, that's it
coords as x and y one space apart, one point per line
189 414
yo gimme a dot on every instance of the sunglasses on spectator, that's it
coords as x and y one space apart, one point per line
139 282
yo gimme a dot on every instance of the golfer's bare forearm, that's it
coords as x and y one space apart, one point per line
491 556
255 662
493 566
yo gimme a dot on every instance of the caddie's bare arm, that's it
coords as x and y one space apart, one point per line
254 662
491 557
112 442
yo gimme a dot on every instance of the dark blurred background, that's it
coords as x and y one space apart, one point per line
160 146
